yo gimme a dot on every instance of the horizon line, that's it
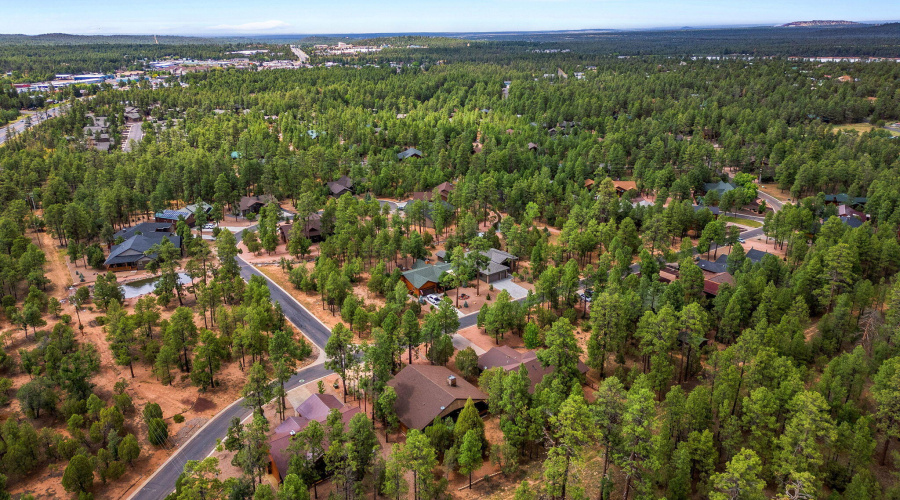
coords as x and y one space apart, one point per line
224 34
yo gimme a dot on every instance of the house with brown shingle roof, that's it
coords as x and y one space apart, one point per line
426 392
311 231
510 360
255 203
340 187
623 187
315 408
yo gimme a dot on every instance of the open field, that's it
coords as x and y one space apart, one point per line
863 127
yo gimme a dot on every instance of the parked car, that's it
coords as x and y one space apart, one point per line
587 295
209 226
434 299
741 240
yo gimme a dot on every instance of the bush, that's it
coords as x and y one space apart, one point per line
151 411
178 418
157 432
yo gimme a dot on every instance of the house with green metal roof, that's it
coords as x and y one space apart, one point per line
719 187
424 278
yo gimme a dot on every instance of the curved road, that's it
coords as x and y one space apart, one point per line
202 443
37 118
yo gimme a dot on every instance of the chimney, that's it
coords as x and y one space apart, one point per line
451 380
292 433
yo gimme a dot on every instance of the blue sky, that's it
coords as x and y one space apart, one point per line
194 17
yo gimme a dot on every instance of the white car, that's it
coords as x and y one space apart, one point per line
209 226
741 240
434 299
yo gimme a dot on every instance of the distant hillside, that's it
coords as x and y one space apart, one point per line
66 39
814 24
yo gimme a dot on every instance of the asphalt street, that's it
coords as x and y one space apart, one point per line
204 440
36 118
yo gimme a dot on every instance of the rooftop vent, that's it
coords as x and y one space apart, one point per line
292 433
451 380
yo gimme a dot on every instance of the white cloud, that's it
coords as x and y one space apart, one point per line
252 27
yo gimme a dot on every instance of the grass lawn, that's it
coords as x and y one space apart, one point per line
862 127
743 222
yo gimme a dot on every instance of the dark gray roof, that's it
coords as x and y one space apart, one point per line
853 222
143 228
174 214
409 152
712 267
754 255
713 210
132 249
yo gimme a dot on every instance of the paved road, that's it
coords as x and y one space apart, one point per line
297 314
37 118
771 201
135 133
204 440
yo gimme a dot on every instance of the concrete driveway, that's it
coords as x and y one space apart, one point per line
515 291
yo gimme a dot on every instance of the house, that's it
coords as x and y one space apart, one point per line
589 184
851 222
498 267
143 228
312 230
173 216
340 187
187 213
532 146
315 408
845 211
409 153
445 188
510 359
253 204
426 392
132 115
719 187
714 210
755 256
711 284
129 255
844 199
720 265
623 187
424 278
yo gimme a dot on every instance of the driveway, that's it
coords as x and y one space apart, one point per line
515 291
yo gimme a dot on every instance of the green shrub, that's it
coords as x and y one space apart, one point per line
178 418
